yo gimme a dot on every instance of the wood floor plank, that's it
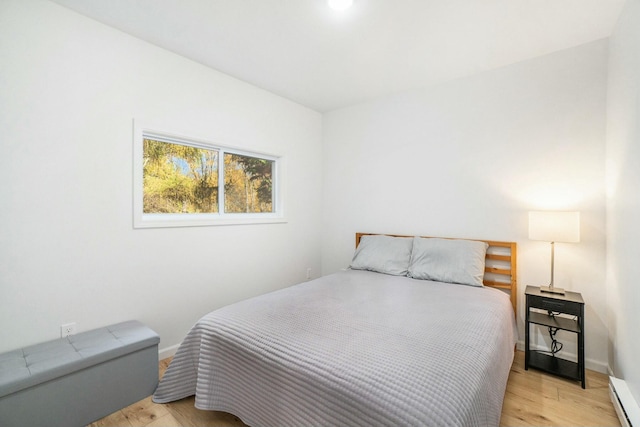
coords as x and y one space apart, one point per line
530 414
115 419
536 398
188 415
590 402
165 421
163 365
598 379
144 412
530 385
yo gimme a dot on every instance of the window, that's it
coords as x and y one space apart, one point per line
177 182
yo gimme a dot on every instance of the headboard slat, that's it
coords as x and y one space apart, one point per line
495 270
499 257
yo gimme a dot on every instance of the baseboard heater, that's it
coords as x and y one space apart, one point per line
626 406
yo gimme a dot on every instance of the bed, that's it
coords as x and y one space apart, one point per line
413 333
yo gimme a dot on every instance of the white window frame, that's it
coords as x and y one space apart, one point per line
160 220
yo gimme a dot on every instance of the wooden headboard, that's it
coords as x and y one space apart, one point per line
500 265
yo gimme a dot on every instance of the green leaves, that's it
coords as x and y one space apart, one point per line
180 178
248 184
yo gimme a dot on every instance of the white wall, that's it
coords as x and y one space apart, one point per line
470 158
623 197
69 90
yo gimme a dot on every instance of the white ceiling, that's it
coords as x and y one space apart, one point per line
325 59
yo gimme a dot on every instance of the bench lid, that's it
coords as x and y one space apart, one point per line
29 366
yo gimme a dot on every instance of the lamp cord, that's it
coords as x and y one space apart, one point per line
556 345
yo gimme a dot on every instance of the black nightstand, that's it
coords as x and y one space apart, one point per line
539 304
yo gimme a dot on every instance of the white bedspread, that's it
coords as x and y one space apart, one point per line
352 348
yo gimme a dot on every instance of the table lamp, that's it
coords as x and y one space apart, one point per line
554 226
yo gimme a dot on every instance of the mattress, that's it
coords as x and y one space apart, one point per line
352 348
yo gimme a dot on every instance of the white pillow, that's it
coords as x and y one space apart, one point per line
450 261
383 254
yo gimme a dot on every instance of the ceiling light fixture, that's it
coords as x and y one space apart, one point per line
340 4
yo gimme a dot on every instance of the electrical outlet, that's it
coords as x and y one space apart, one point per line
308 273
67 329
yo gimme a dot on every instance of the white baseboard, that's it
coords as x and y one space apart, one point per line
597 366
163 353
626 407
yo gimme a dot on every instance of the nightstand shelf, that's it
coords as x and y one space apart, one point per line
554 365
538 306
555 322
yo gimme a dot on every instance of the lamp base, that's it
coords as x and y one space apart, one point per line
552 290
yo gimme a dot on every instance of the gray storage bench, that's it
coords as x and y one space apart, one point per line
76 380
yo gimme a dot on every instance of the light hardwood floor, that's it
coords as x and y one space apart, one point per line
532 399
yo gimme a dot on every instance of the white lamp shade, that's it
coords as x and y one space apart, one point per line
553 226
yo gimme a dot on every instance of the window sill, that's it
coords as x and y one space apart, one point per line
194 220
